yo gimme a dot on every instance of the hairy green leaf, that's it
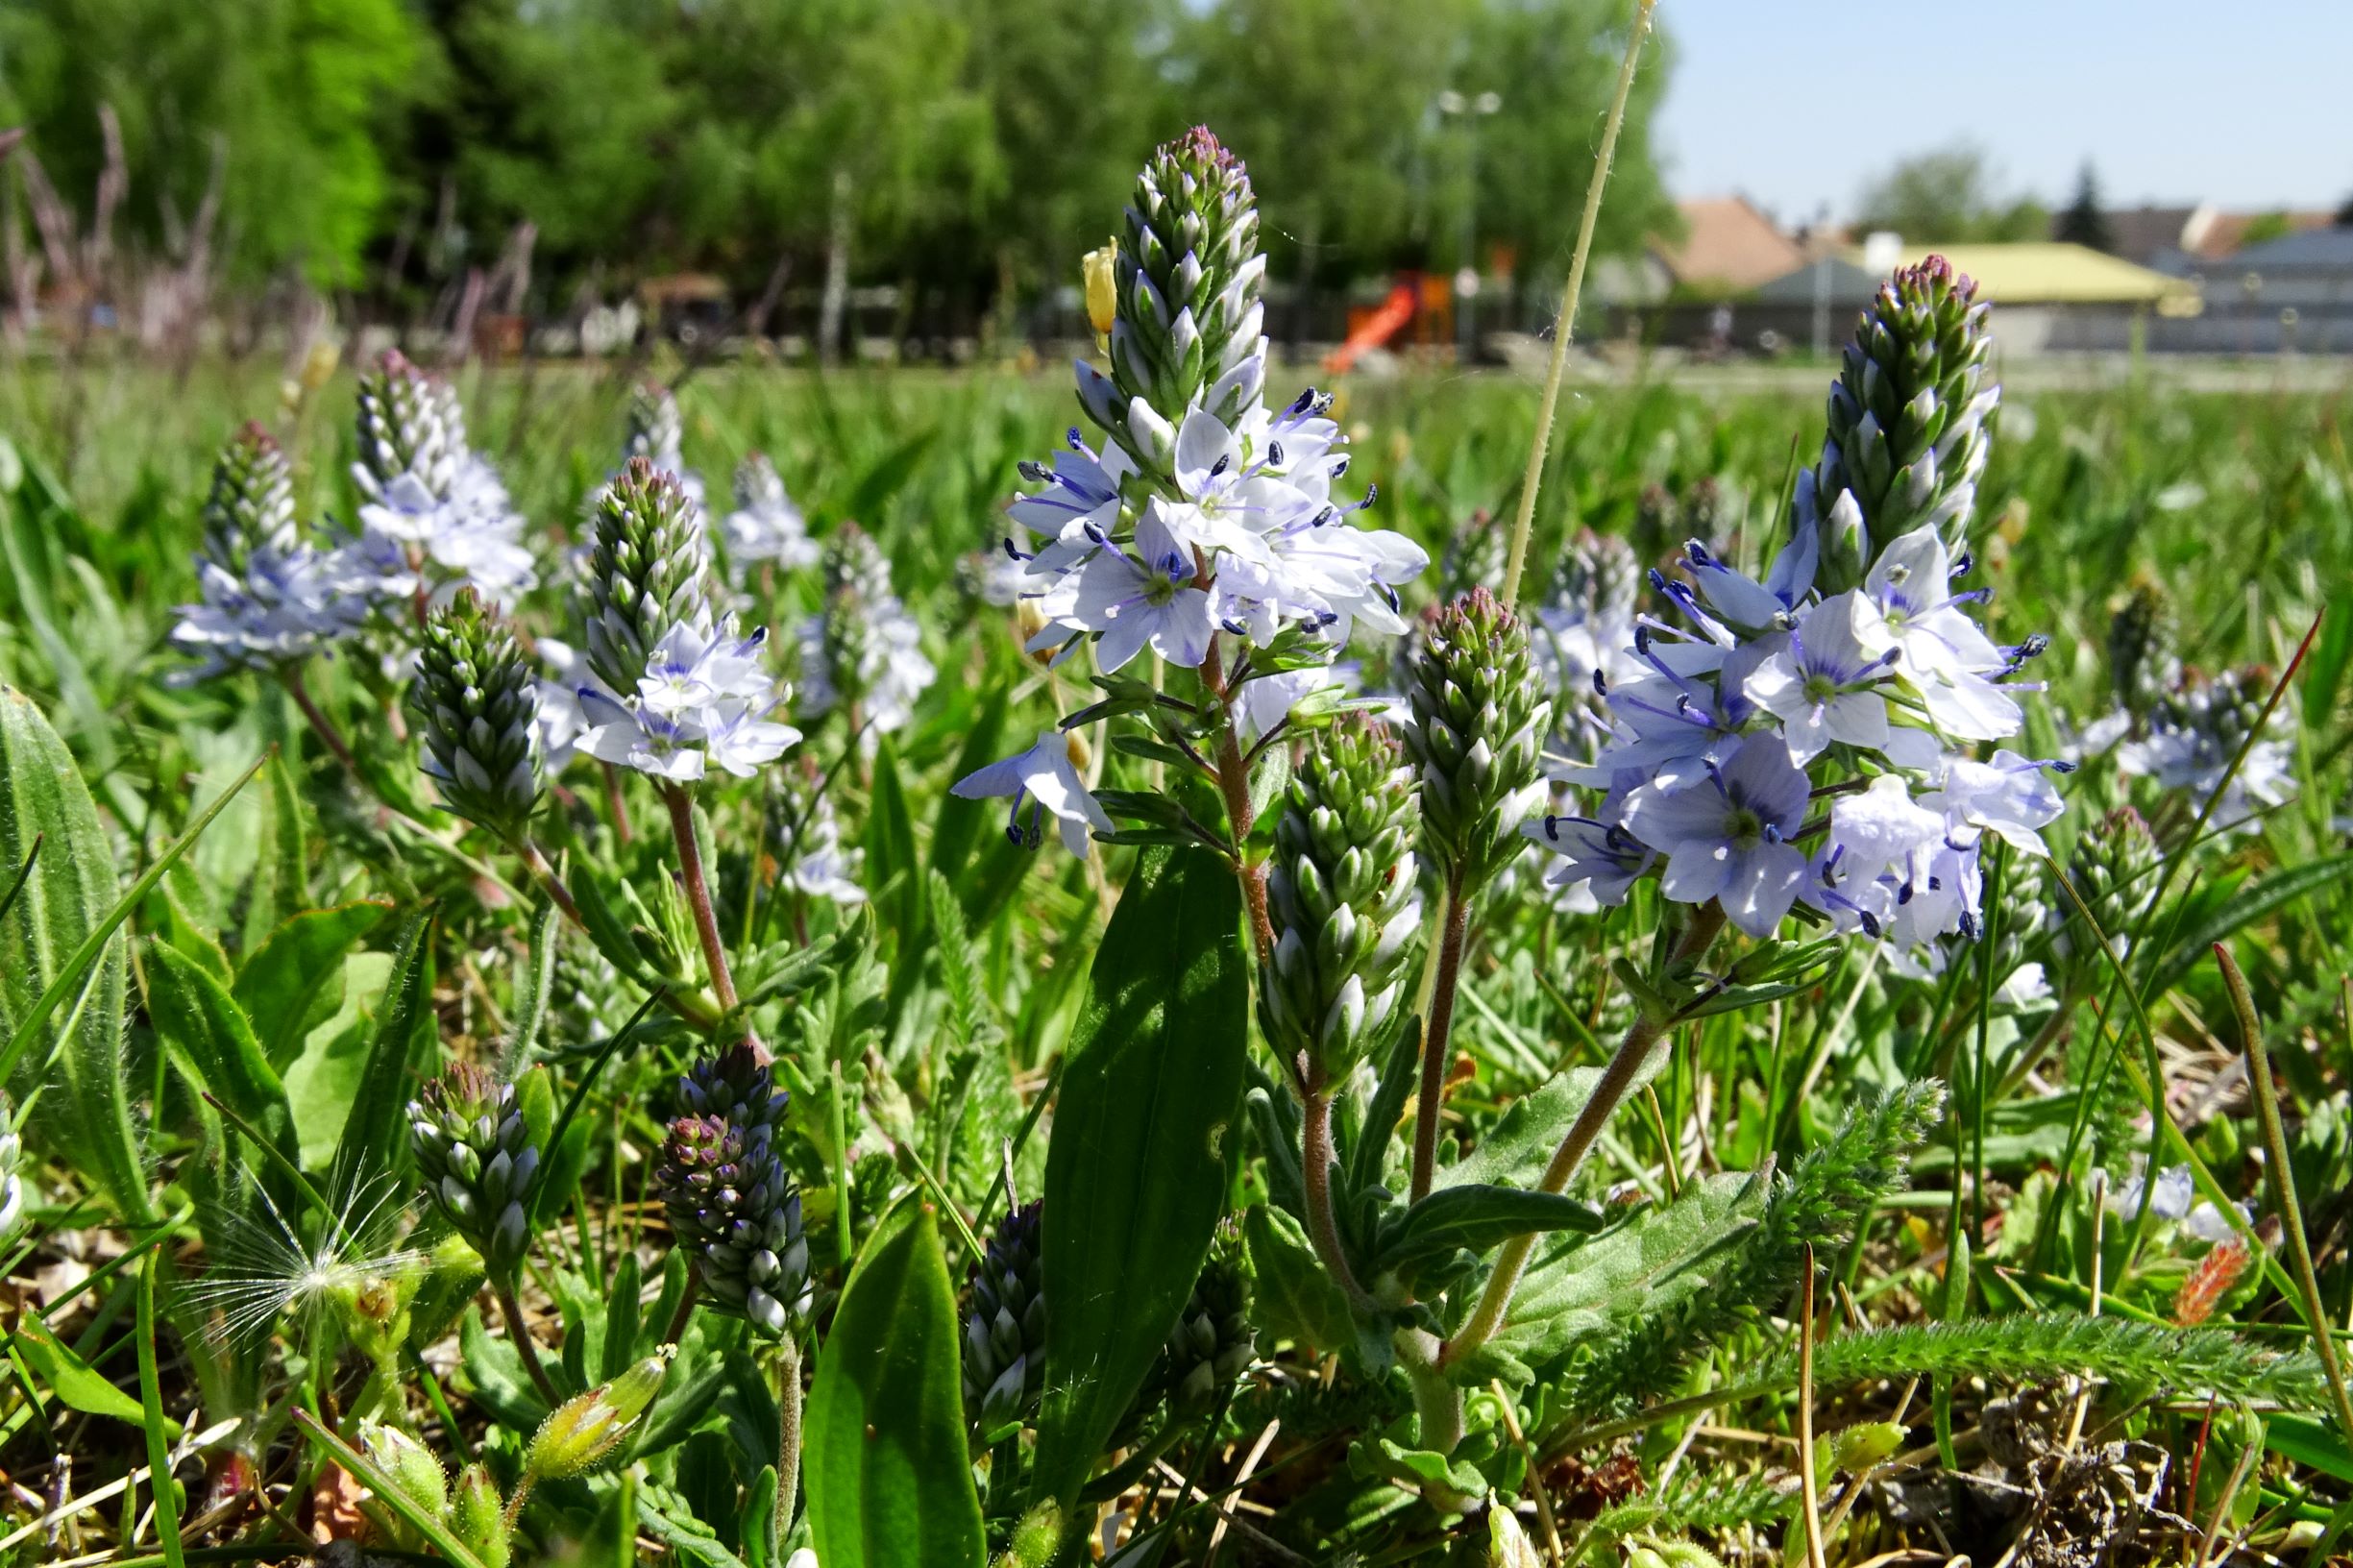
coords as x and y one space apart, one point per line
285 985
374 1135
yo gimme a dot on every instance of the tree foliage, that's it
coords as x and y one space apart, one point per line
1947 196
967 145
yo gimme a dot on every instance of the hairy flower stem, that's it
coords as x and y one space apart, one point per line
504 1290
1317 1158
2283 1183
1617 1078
1233 783
535 860
706 920
1565 326
1449 977
321 725
788 1445
1438 1400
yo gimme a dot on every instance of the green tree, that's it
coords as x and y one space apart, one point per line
299 93
1947 196
2084 222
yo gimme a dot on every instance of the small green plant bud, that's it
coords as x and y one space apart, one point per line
1508 1545
2111 869
478 705
1910 419
1345 895
1480 716
478 1517
2142 666
1212 1342
730 1203
411 424
1857 1448
1185 328
583 1430
1477 551
647 571
1005 1324
1036 1538
477 1161
251 504
411 1465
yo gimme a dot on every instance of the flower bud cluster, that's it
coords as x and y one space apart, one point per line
2193 732
477 706
1204 512
1811 737
479 1162
668 688
1005 1324
434 515
730 1203
267 597
862 651
1477 735
1212 1342
1910 422
1345 899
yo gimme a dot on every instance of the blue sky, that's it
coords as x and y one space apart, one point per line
1798 102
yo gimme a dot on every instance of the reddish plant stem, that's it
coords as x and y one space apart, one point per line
614 803
536 859
706 920
1434 1033
1234 784
1315 1167
321 725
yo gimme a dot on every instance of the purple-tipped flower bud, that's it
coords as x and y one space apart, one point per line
1005 1325
475 1154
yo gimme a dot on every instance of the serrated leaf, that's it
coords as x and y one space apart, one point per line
1294 1299
282 985
889 1483
59 943
1580 1287
1136 1168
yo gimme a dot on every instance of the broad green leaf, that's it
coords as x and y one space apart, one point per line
323 1079
286 985
2310 1442
1580 1287
890 1484
1479 1217
1516 1152
67 1376
1136 1170
1295 1299
58 942
374 1138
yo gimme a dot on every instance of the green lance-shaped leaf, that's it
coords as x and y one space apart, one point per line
374 1135
1135 1173
288 983
67 899
890 1484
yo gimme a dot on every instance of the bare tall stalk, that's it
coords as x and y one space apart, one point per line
1567 323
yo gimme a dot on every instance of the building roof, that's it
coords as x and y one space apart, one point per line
2138 233
1728 245
2314 250
2222 234
2023 274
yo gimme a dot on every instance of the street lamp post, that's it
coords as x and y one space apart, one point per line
1472 108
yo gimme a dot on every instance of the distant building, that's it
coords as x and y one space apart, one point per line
2051 296
1727 247
2291 293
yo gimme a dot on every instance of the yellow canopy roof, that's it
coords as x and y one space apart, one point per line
2055 274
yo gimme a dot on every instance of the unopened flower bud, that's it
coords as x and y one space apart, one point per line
478 1517
1480 716
478 703
647 571
1099 268
411 1465
1005 1325
583 1430
1344 896
475 1156
251 504
411 424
